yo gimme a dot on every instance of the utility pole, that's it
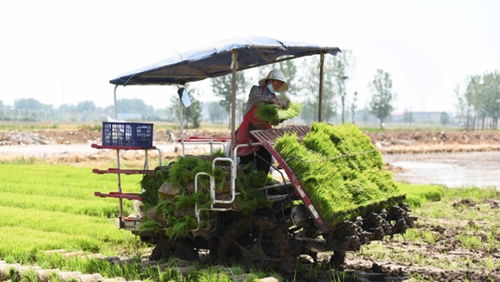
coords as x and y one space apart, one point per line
342 95
353 107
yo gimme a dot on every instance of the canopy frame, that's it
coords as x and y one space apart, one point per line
197 66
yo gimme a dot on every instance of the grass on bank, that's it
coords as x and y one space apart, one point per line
416 195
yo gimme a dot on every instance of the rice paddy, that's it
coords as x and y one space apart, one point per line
46 207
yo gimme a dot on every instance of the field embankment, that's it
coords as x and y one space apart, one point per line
388 141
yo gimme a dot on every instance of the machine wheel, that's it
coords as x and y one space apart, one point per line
270 247
182 248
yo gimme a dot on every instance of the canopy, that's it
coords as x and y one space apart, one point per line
215 60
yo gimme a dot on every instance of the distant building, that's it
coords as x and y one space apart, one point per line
418 117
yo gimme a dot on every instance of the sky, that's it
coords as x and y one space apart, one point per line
67 51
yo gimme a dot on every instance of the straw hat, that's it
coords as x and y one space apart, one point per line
275 75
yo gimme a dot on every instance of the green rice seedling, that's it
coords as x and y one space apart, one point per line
14 275
355 146
54 277
182 172
178 227
209 276
60 222
353 153
93 207
22 244
171 274
61 181
175 214
428 236
247 184
274 114
29 276
150 184
491 264
470 242
337 276
474 193
412 234
322 180
339 168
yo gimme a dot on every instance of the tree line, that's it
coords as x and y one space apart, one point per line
478 103
303 80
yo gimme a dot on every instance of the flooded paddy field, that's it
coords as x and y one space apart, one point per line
481 169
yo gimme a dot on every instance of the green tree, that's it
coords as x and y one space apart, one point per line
444 118
216 113
463 107
491 88
221 86
2 115
86 106
309 80
408 117
192 114
342 63
354 107
380 104
32 109
134 106
289 70
28 105
481 100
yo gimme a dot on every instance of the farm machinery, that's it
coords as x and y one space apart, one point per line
234 214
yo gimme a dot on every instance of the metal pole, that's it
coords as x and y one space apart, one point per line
320 96
114 99
120 206
234 67
181 109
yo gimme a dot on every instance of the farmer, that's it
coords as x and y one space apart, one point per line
265 92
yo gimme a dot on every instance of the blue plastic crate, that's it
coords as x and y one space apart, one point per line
131 134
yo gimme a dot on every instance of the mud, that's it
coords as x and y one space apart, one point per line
426 141
442 252
387 271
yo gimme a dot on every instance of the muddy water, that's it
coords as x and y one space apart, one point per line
480 169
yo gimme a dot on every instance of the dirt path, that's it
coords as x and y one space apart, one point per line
389 142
